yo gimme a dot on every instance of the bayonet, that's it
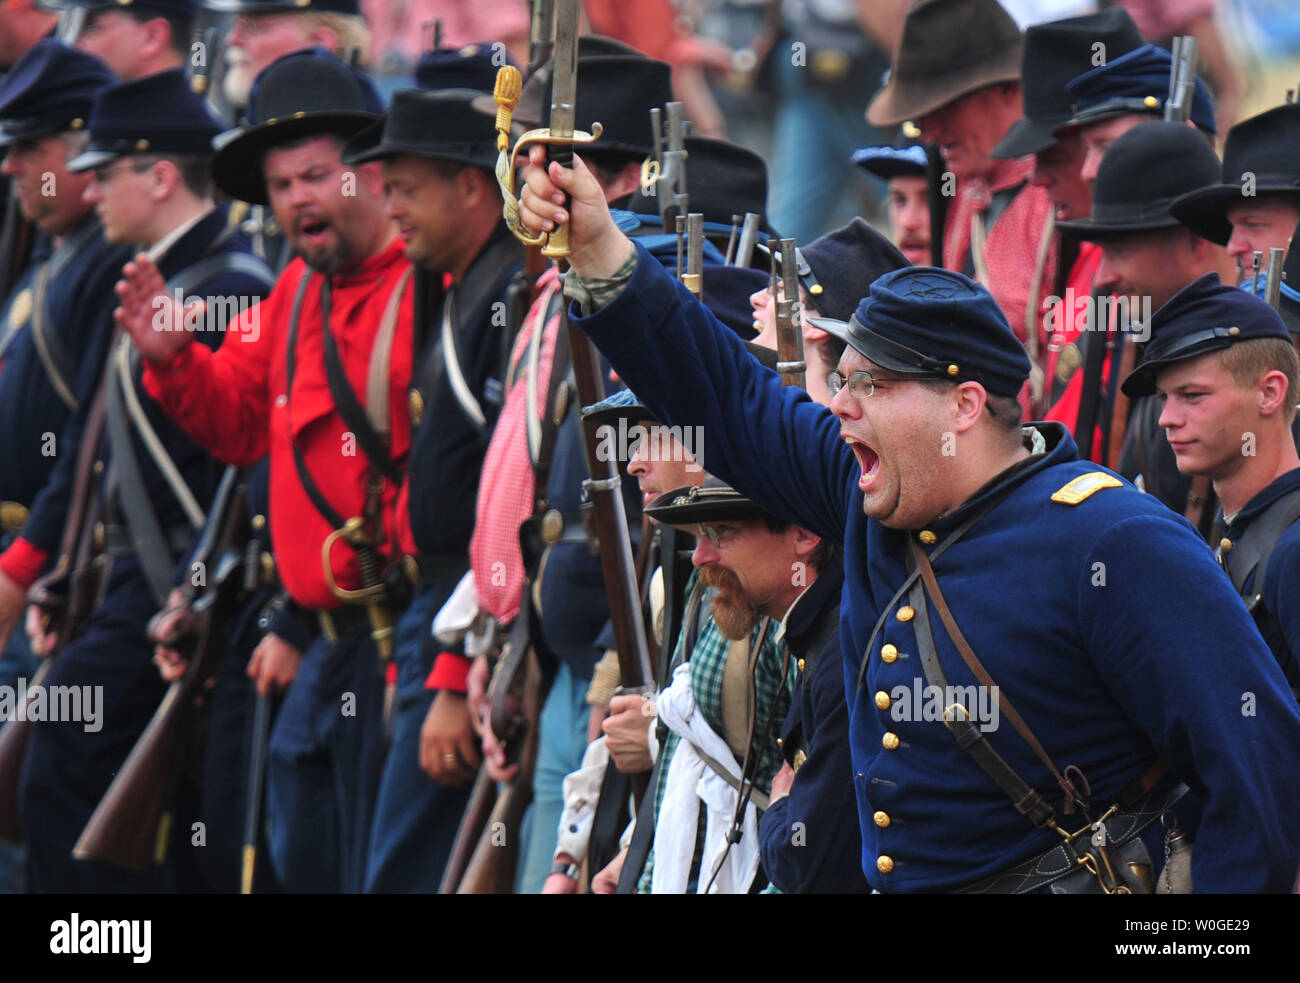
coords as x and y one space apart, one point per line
693 278
731 240
748 239
1273 285
1182 80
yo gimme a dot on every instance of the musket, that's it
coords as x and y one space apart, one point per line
253 789
1273 285
732 239
789 324
938 201
1182 80
693 275
748 239
203 71
66 596
15 244
670 157
131 826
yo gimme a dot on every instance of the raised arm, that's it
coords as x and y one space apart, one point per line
771 442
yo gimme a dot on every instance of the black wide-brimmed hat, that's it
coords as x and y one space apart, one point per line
948 49
1140 176
50 89
157 114
302 94
1056 52
723 180
1205 316
617 91
1261 157
713 501
444 125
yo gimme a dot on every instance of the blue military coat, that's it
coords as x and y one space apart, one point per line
1107 622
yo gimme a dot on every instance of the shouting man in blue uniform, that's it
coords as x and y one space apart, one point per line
1077 639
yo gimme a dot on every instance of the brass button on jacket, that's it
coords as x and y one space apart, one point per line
905 613
889 653
890 741
882 700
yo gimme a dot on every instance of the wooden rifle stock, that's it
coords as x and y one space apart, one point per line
482 799
131 825
66 595
15 245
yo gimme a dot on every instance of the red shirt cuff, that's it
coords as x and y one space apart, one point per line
449 672
22 562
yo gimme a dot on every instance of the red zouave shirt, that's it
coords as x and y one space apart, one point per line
1011 247
234 403
1067 324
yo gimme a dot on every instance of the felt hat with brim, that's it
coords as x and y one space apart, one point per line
929 323
948 49
1261 158
1139 178
713 501
157 114
49 90
300 95
1205 316
1054 53
444 125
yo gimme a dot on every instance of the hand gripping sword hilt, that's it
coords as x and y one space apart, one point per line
509 86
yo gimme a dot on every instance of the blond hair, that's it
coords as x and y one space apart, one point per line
1248 361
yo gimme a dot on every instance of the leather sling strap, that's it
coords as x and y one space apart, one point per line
349 408
50 346
976 667
377 376
970 738
1250 554
643 837
151 544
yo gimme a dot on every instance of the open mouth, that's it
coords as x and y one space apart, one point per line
313 230
868 461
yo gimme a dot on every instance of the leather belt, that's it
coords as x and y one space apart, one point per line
341 622
552 528
1120 827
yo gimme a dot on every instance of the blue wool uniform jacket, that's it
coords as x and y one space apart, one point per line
79 312
1280 592
809 839
201 472
1108 625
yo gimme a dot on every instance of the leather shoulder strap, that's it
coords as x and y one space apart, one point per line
1250 554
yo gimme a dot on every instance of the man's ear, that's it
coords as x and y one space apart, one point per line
969 399
1272 392
805 542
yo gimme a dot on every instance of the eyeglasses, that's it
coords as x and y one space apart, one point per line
862 384
716 536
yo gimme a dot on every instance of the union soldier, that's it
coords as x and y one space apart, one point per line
44 103
338 315
932 365
1224 369
536 464
904 166
438 153
1147 257
22 24
1259 192
138 39
148 157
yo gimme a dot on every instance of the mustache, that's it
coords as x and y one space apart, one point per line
733 613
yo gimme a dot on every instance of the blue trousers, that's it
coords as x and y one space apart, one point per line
561 744
68 767
323 767
416 818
